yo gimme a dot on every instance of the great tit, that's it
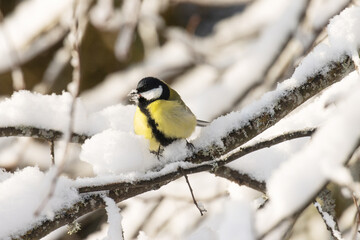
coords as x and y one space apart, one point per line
161 116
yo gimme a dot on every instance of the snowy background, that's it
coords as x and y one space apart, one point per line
67 67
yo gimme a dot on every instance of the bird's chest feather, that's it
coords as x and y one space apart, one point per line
172 118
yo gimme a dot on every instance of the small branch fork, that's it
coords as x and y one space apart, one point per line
202 210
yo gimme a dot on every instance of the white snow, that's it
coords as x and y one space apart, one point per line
329 220
262 163
329 148
43 111
52 112
115 231
22 194
235 220
117 154
113 152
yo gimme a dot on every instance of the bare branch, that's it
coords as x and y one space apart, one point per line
45 134
357 216
52 151
240 178
201 209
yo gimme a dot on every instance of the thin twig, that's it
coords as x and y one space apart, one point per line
74 90
201 209
52 151
327 211
357 216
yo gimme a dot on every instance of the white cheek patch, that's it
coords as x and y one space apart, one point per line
152 94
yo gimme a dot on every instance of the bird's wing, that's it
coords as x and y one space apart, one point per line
173 118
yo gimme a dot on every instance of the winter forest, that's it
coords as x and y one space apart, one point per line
278 80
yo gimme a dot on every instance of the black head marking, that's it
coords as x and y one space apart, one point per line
149 83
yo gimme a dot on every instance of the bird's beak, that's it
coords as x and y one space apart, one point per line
134 95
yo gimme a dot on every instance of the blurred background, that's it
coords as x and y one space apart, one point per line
219 55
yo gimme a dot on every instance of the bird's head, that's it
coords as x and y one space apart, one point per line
148 90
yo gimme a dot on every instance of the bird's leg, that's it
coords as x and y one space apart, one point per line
190 145
158 153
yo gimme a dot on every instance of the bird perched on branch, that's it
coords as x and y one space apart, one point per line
161 116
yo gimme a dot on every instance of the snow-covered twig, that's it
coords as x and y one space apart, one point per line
279 223
330 222
327 212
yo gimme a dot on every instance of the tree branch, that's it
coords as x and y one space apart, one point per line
306 203
123 190
280 107
45 134
265 118
235 176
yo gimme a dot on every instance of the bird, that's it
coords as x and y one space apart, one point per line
161 116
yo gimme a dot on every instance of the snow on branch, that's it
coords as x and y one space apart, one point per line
122 190
244 126
321 163
326 208
218 144
219 139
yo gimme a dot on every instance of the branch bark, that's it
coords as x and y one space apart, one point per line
45 134
282 106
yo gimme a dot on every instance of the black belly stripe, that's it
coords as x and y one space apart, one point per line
159 136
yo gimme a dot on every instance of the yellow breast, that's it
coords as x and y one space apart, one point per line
173 119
